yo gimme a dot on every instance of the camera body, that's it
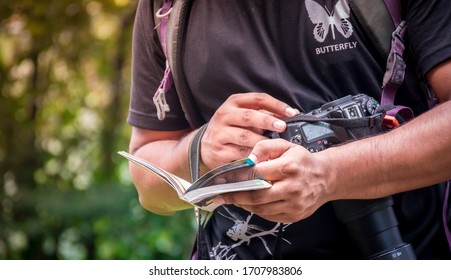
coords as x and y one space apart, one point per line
318 136
371 223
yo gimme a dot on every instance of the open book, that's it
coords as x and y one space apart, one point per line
201 192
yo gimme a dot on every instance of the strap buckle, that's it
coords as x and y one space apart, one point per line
395 71
159 99
398 34
390 122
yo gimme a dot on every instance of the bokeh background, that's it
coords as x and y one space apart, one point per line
64 93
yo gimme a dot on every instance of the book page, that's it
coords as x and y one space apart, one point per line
178 184
208 177
203 196
202 192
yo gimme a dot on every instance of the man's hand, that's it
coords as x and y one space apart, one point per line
299 186
238 125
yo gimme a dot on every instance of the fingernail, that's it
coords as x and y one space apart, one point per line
279 125
291 112
253 158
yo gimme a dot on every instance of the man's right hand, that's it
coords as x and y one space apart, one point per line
238 125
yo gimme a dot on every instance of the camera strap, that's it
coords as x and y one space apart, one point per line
394 74
375 120
372 124
202 217
362 122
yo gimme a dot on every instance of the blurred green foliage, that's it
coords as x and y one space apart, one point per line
64 83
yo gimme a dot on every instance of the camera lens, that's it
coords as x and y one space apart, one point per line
374 227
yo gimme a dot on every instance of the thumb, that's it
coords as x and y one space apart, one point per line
269 149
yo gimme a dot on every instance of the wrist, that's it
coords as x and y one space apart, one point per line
330 173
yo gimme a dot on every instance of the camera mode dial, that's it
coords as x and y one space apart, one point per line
371 106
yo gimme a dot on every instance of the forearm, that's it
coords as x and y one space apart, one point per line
156 195
233 131
414 155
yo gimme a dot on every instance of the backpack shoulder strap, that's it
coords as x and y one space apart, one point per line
176 36
382 20
376 20
379 18
172 20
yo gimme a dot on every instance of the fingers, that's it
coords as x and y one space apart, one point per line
266 204
238 124
249 118
229 143
256 198
271 149
263 101
239 136
258 110
299 185
290 113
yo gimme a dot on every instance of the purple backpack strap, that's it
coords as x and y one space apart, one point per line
393 79
173 17
394 9
395 68
159 97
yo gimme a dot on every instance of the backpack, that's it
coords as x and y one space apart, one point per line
382 21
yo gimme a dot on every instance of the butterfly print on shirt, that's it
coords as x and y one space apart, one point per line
328 21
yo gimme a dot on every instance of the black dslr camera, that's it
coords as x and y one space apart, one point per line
371 223
317 135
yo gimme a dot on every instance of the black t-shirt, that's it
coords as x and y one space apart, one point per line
277 47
